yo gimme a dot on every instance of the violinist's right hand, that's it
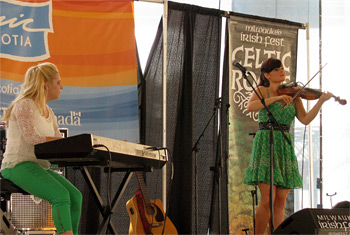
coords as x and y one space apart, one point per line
285 99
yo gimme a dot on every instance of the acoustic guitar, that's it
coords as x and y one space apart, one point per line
147 216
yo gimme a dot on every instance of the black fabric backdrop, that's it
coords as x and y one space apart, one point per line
193 70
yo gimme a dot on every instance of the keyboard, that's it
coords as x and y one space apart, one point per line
88 149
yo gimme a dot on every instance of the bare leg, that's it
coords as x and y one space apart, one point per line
263 210
279 206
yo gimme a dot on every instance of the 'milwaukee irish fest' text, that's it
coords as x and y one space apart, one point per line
334 221
262 35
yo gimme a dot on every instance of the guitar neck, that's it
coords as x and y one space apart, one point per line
143 187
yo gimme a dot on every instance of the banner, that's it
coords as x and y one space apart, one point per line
251 41
93 45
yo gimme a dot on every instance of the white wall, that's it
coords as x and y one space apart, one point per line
336 121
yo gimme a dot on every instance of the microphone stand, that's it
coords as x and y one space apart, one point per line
254 194
273 123
217 177
195 149
255 203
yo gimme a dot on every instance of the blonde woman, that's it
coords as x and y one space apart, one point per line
31 121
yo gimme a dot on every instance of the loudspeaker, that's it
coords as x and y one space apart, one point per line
31 213
316 221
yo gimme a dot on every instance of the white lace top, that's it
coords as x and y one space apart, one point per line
26 128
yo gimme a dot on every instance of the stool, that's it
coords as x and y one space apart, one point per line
6 189
25 211
6 186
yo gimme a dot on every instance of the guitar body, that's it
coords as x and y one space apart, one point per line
155 220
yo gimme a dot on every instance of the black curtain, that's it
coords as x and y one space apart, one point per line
193 70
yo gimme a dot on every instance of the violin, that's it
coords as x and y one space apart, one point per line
303 92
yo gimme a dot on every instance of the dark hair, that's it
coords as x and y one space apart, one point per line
266 67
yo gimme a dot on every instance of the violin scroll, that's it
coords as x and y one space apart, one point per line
340 101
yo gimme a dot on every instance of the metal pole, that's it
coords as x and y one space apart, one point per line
165 47
320 56
311 163
164 106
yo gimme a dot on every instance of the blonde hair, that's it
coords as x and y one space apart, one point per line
33 86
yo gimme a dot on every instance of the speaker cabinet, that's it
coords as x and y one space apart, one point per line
30 213
316 221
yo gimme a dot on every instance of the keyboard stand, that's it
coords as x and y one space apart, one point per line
84 150
106 212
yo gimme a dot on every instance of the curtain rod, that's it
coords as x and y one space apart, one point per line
282 21
227 14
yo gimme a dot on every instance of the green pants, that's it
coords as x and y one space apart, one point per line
65 198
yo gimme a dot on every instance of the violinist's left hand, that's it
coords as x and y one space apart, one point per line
325 96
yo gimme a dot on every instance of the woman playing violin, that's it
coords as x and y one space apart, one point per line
286 175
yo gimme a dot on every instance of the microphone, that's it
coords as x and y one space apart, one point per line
239 66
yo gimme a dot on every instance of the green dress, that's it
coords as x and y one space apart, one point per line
286 173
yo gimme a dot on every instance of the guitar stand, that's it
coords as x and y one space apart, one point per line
107 210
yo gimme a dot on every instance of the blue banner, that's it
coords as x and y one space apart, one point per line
24 30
